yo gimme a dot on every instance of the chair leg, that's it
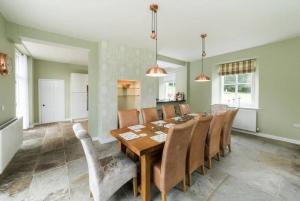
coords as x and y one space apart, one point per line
223 152
163 196
229 147
218 156
91 195
209 163
202 169
135 187
190 179
183 184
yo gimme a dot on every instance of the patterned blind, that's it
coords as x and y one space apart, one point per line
238 67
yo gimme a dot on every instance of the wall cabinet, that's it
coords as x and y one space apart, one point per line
79 96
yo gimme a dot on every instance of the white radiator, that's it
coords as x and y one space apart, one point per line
10 141
245 120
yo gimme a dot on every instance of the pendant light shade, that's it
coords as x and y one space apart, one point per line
155 71
202 77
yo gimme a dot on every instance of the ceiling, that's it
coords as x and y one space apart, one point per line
231 24
55 52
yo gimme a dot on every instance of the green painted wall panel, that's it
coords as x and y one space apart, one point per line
279 81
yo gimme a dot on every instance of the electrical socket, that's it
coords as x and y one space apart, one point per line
296 125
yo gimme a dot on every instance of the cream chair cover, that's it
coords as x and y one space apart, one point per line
108 174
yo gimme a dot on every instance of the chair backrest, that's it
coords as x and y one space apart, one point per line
95 173
184 109
174 155
195 155
229 118
128 118
150 115
218 108
168 111
214 134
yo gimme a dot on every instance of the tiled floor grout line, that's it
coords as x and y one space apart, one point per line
219 185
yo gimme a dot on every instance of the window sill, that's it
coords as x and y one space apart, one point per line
247 108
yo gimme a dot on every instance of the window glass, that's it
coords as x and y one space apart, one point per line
229 79
238 90
245 78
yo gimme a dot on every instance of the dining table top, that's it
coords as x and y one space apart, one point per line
144 143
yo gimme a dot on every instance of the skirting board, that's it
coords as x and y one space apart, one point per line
269 136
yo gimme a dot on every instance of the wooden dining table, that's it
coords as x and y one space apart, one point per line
144 148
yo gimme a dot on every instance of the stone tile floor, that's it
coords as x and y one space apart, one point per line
51 166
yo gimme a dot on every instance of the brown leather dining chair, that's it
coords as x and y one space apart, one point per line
168 111
171 169
226 133
184 109
212 147
128 118
195 154
150 115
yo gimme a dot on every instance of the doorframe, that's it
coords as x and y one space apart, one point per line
39 98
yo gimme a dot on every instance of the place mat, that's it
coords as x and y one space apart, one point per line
136 128
129 136
169 125
159 138
158 122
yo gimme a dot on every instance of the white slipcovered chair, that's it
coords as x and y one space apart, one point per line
106 175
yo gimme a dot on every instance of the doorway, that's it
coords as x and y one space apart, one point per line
51 100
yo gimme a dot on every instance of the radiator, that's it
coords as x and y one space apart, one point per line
245 120
10 141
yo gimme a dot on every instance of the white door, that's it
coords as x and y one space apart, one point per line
51 100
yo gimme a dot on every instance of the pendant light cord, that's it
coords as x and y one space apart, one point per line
203 53
156 36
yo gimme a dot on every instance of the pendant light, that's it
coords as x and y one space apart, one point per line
202 77
155 71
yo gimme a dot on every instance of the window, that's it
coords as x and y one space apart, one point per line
238 90
22 105
167 87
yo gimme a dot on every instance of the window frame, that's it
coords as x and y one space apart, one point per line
170 78
254 90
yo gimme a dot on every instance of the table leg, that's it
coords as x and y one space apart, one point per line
145 177
122 147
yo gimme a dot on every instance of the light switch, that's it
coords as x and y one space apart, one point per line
2 107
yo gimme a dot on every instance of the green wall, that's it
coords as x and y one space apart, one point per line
7 82
54 70
279 82
15 32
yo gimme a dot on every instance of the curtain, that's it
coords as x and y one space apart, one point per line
238 67
22 105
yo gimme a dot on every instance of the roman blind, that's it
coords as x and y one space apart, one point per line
238 67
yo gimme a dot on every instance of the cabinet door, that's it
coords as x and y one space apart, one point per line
79 105
79 82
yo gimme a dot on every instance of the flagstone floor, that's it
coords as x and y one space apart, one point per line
51 166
